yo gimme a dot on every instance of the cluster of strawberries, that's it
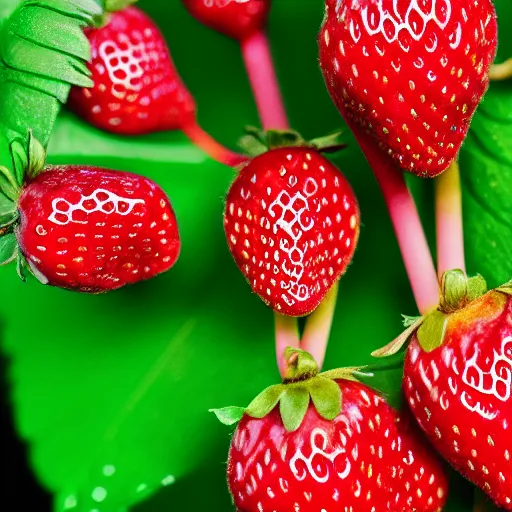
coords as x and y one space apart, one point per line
407 76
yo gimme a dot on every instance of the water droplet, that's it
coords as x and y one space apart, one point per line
168 480
70 502
109 470
99 494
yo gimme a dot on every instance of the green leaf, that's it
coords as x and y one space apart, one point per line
43 51
486 173
265 402
293 406
8 249
432 331
409 320
229 415
326 397
8 185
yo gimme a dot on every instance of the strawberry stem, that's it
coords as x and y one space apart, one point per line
406 223
318 327
450 232
260 69
501 71
287 336
211 147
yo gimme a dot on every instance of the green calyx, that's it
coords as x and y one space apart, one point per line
256 142
109 7
28 161
302 385
457 291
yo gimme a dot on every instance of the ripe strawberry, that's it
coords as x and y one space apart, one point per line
292 226
410 73
137 89
84 228
458 382
238 19
346 449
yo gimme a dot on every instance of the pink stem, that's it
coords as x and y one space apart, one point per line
318 327
287 335
260 68
407 224
211 147
450 231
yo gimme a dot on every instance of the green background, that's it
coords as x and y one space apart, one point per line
125 380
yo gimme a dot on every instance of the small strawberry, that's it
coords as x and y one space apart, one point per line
137 89
326 442
411 73
291 222
458 382
239 19
88 229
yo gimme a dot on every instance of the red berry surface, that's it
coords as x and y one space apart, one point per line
460 394
94 230
369 459
292 226
238 19
410 73
137 89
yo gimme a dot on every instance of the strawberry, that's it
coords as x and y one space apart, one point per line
88 229
137 89
239 19
458 382
409 74
292 223
327 442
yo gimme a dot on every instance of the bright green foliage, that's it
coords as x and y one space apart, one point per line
112 392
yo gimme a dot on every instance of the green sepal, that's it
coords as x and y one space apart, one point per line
229 415
348 373
407 320
19 159
300 365
293 406
8 185
454 290
396 345
330 143
326 397
21 266
432 331
255 142
266 401
505 288
477 286
8 249
36 157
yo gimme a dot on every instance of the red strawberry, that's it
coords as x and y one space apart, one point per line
330 454
95 230
410 72
137 89
292 226
238 19
459 385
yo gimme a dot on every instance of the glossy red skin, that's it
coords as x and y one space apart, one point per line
291 257
416 103
384 462
238 19
125 233
137 89
460 395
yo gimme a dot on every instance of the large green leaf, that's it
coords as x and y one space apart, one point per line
486 162
43 51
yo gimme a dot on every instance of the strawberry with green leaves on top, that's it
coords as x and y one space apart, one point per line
458 382
327 442
291 221
409 74
84 228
